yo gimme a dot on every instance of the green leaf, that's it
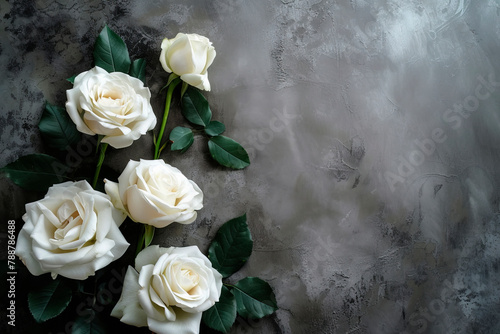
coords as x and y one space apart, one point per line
195 107
57 128
222 315
71 79
138 69
149 233
184 87
36 172
88 324
231 246
215 128
228 152
102 296
182 138
254 298
170 80
49 301
110 52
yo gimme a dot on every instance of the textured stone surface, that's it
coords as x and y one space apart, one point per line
373 128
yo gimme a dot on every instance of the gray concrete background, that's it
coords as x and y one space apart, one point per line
373 128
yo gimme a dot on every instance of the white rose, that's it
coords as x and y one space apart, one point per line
168 290
154 193
73 231
114 105
188 56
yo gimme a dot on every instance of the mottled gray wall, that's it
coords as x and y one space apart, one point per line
373 128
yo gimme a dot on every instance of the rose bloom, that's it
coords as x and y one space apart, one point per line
114 105
73 231
168 290
188 56
154 193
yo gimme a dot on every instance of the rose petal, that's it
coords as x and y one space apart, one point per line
128 309
149 300
199 81
199 51
185 323
114 105
23 249
141 209
179 55
155 193
210 57
73 238
127 178
165 44
111 189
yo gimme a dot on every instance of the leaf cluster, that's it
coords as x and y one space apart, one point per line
84 304
226 151
250 297
111 54
38 172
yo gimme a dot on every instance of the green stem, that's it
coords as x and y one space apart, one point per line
148 231
99 164
145 237
140 243
168 99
